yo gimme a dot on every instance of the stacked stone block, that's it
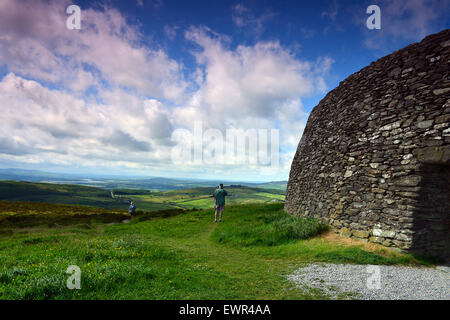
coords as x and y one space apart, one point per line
374 158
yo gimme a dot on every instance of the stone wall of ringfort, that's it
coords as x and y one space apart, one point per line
374 158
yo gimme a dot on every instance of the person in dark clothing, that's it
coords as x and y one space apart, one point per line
132 209
219 201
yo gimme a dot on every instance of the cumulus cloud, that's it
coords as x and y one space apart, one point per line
36 119
13 147
258 86
250 79
124 141
36 43
102 97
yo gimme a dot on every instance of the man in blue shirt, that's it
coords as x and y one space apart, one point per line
219 203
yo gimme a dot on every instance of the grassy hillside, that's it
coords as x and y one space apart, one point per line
56 194
145 200
29 214
178 256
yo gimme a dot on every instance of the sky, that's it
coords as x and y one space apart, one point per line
154 87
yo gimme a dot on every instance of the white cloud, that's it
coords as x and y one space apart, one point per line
259 86
251 81
36 43
48 116
56 126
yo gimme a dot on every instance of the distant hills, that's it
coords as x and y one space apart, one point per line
112 182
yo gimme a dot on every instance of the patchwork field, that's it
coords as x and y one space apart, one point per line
145 200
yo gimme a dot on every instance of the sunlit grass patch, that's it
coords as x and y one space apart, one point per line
258 227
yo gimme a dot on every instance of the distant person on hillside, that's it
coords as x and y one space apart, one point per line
132 209
219 201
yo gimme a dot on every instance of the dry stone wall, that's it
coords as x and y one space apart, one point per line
374 158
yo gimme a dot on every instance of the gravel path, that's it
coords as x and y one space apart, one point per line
395 282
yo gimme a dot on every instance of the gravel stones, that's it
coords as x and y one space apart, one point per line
360 281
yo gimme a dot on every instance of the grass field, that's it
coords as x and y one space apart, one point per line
174 255
145 200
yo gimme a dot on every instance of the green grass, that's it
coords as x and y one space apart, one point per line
269 226
174 255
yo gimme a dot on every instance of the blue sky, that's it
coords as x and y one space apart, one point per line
110 98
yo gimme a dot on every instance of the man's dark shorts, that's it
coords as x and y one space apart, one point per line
220 208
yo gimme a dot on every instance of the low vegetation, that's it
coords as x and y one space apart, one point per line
268 226
173 254
20 214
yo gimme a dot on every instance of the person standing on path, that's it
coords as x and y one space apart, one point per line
132 209
219 203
